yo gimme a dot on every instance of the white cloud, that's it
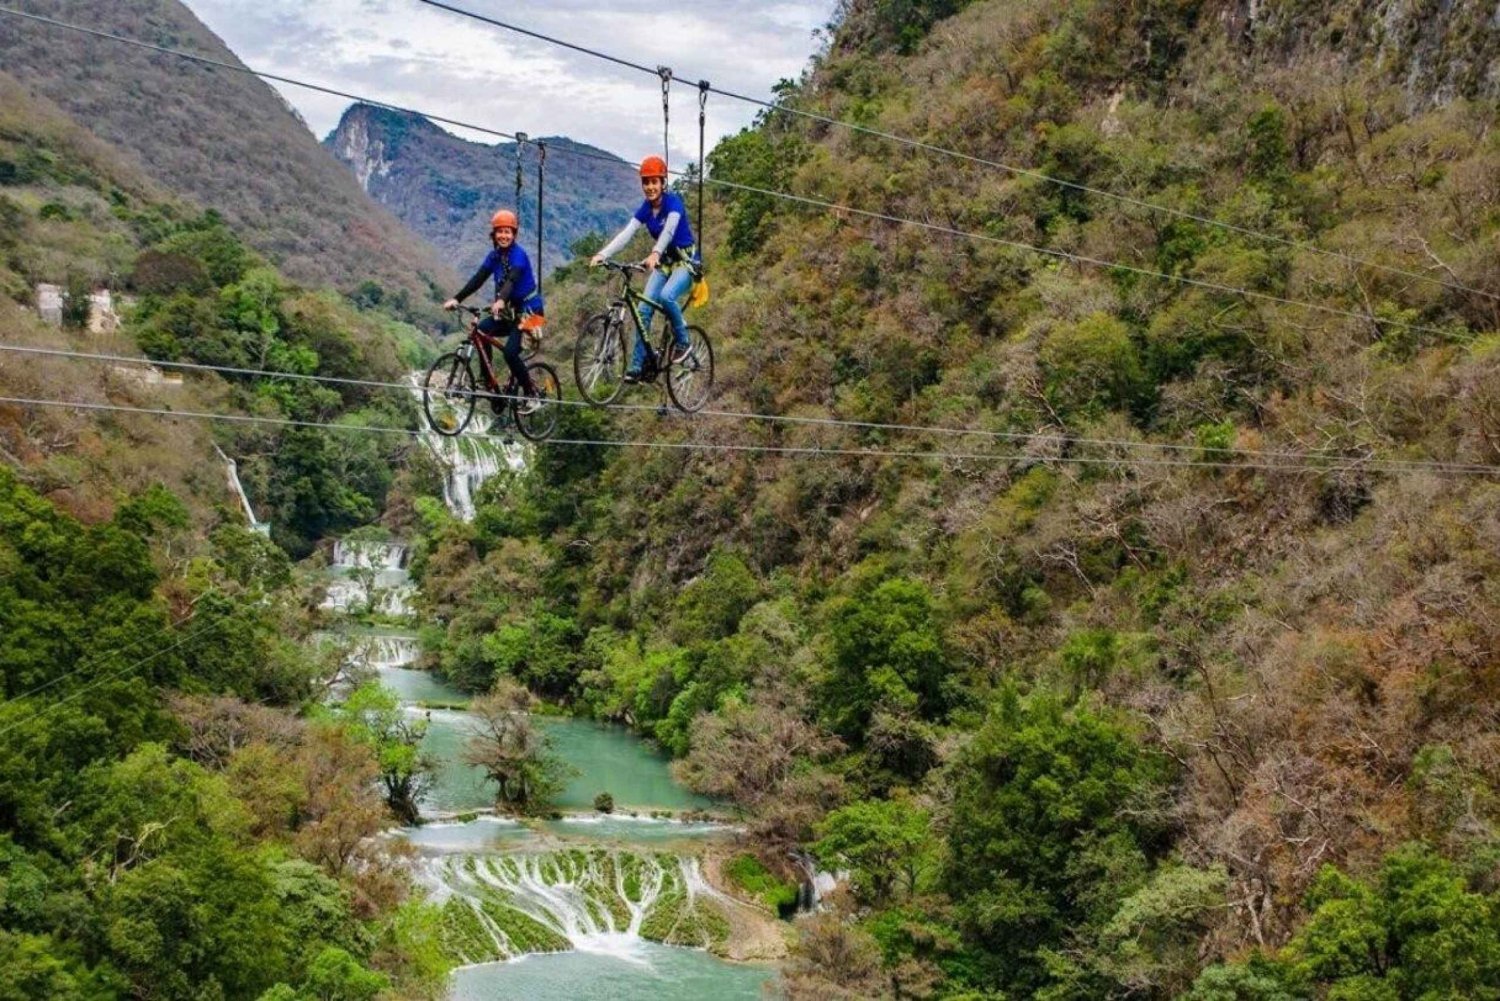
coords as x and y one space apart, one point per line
406 53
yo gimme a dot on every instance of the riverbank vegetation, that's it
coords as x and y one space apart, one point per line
216 840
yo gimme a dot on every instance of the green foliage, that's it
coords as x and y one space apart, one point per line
1053 825
1414 932
750 874
886 652
755 159
1093 365
884 844
710 607
374 715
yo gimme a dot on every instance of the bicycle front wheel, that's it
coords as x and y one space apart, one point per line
600 358
540 423
690 378
448 394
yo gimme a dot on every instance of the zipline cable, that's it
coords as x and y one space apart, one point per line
1337 466
1061 438
786 196
979 160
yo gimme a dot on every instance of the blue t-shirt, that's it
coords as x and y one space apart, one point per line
671 202
523 292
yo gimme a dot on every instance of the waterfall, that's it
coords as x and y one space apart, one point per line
499 907
368 555
389 651
233 469
469 459
369 575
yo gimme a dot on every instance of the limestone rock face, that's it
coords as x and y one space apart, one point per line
445 188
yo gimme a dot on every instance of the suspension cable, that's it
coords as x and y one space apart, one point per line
702 230
541 186
927 147
1024 437
665 72
520 181
1335 465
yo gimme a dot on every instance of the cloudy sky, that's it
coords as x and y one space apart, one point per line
407 53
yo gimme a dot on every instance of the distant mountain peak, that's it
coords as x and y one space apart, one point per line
445 187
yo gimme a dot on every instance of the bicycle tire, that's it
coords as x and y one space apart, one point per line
539 424
600 358
690 381
448 395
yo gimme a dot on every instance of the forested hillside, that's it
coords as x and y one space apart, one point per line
180 815
1172 685
445 188
77 215
220 138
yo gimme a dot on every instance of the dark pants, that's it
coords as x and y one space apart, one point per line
491 327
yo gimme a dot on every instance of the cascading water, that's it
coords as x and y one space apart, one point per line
369 576
498 907
368 555
468 459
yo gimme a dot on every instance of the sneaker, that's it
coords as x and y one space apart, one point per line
634 375
531 404
681 353
497 405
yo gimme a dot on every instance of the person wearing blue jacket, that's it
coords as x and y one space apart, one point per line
516 296
673 261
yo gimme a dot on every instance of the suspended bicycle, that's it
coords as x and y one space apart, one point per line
451 388
602 354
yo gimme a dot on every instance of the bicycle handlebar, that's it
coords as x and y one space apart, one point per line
638 269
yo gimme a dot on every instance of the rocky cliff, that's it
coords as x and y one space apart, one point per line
445 188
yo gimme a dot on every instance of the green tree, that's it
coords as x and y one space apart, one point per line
882 843
1092 365
512 750
1054 820
886 651
374 715
1415 932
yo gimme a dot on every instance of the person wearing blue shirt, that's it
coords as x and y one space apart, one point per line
516 296
673 261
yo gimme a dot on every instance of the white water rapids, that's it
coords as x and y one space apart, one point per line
468 459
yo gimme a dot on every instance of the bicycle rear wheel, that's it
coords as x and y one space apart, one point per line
691 380
448 394
540 423
600 357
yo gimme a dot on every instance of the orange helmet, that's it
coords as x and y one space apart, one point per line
505 218
653 166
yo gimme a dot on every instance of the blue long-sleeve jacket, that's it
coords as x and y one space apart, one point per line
515 281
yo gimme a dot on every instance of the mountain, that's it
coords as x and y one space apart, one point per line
446 188
224 139
78 215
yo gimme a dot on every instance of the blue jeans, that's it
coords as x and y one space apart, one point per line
667 290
